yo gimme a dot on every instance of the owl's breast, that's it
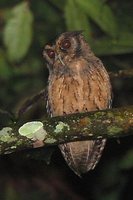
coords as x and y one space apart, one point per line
80 92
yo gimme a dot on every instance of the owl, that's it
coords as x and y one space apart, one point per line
78 82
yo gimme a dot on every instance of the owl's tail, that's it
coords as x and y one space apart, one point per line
82 156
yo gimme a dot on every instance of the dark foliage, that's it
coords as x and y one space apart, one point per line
25 27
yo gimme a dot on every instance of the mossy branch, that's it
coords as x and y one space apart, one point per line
127 73
113 123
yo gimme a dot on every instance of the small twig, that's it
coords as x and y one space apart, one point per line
127 73
29 103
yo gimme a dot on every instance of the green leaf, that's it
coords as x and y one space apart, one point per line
109 46
76 19
5 70
58 4
18 32
101 13
6 118
127 160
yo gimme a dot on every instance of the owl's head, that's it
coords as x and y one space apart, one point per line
68 46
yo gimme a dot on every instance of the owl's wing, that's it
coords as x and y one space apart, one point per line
84 155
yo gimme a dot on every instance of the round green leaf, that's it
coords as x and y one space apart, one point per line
18 32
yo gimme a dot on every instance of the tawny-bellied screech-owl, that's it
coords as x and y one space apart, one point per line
78 82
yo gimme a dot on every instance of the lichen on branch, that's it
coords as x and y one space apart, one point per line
113 123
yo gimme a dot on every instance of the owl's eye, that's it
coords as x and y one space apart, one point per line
51 53
65 44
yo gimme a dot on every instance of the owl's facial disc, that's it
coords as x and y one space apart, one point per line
66 48
52 57
49 54
58 57
68 45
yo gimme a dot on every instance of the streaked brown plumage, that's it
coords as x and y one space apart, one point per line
78 82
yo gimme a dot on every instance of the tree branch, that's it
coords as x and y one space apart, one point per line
28 104
113 123
127 73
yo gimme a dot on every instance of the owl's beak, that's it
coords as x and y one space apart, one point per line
58 57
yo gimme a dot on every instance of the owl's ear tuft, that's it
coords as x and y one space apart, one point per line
73 33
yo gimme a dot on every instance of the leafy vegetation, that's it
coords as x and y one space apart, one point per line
25 27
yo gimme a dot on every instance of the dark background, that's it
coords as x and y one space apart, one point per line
25 27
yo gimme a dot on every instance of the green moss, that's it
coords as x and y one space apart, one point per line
19 142
12 139
61 126
6 135
110 115
50 140
114 129
119 119
99 115
13 147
